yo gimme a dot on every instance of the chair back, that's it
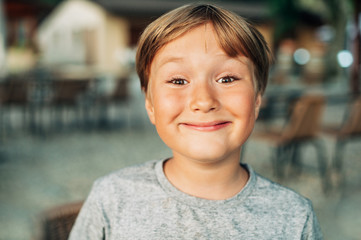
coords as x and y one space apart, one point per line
120 92
16 91
352 125
3 94
305 118
67 91
58 221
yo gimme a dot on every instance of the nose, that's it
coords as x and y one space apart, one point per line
204 98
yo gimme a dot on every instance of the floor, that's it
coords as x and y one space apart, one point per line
40 172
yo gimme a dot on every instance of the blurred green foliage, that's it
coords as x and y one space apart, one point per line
288 14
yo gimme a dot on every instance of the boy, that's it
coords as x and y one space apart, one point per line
203 70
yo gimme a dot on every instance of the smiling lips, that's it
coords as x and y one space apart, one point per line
207 126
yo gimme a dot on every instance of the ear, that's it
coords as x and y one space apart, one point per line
257 105
150 109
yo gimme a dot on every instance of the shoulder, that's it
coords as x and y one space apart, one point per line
266 194
279 197
275 206
291 209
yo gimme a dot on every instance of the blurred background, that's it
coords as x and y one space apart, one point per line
71 109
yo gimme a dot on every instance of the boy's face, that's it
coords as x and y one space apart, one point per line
201 101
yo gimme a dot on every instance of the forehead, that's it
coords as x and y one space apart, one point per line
200 37
199 41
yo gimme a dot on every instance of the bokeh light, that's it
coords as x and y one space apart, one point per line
344 58
301 56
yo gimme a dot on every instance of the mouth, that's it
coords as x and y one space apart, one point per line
207 126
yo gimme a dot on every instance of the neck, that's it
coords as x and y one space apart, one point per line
215 181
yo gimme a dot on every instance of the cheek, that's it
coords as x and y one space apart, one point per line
241 103
168 105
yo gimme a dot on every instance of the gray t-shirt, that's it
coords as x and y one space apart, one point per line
139 202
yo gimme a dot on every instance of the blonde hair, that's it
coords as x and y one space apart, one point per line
235 35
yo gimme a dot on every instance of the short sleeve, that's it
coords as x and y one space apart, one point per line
312 230
90 221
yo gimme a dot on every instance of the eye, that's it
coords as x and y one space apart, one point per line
178 81
227 79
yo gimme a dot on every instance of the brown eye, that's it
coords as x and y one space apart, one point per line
227 79
179 81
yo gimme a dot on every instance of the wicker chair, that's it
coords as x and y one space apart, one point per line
302 128
58 222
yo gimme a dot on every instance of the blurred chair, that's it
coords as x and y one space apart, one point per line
27 94
67 94
277 104
302 128
17 91
120 93
58 222
39 97
349 131
105 91
14 96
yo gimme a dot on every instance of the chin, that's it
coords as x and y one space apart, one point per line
207 155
